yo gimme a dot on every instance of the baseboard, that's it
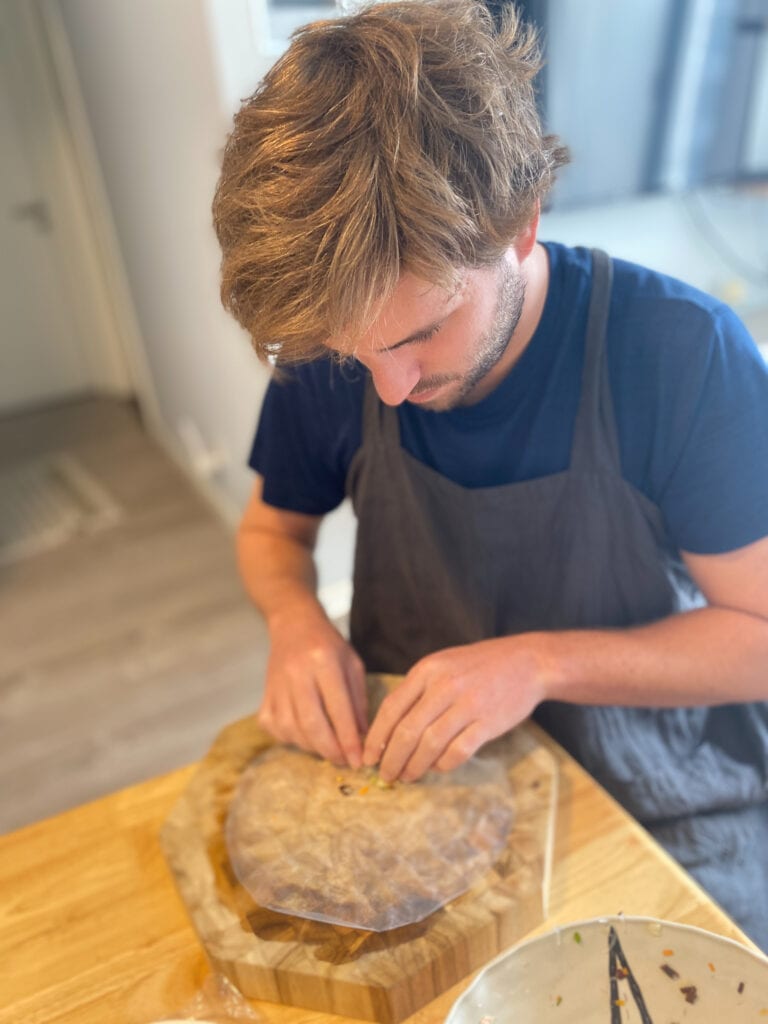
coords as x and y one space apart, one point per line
225 508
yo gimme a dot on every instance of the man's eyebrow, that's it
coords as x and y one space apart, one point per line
421 335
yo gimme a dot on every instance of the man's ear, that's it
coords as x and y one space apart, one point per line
525 240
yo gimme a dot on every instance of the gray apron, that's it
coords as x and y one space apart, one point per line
439 565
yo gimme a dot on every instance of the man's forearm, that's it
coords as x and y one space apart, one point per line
708 656
279 574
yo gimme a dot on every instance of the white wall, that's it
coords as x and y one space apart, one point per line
148 79
160 81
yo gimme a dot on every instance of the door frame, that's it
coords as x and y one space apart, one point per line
86 246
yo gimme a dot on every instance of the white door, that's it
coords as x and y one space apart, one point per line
41 356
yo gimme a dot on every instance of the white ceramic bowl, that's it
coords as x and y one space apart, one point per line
620 969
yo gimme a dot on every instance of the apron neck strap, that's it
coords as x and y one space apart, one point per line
380 421
595 439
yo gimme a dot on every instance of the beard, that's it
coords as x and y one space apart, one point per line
490 347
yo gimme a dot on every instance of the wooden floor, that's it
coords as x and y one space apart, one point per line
124 652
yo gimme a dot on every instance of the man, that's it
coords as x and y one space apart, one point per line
558 462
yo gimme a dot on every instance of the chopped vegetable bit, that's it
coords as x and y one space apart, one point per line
740 989
669 971
372 778
711 967
558 1000
619 1002
577 938
668 952
622 972
690 993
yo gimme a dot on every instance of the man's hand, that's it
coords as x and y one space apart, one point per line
315 685
315 693
454 701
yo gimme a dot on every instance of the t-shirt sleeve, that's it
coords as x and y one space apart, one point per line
308 431
716 495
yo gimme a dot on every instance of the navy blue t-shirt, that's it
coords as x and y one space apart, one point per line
690 393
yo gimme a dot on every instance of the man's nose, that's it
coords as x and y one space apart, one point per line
394 379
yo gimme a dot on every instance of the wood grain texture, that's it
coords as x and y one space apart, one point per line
92 928
383 976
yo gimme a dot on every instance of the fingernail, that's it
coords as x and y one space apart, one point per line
354 761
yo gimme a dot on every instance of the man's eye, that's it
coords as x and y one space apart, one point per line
427 335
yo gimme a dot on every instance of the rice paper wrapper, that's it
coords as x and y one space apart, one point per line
312 840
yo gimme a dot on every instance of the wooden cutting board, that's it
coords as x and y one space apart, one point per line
377 976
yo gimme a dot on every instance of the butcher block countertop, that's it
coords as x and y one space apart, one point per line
92 929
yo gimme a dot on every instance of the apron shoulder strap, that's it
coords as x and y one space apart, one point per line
595 439
380 422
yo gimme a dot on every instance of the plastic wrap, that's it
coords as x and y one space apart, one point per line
311 840
216 1002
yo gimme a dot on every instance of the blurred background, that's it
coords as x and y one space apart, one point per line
128 399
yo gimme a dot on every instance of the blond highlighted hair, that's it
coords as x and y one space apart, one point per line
402 138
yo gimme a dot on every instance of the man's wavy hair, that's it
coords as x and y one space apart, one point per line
402 138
